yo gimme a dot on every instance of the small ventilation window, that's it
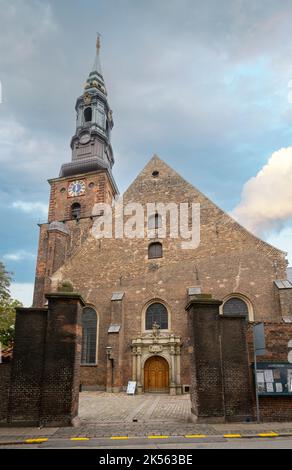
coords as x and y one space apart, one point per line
88 115
76 211
155 251
155 174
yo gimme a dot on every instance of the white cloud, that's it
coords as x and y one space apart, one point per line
19 255
36 208
24 152
22 292
266 200
283 240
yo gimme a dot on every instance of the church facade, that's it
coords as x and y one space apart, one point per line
135 325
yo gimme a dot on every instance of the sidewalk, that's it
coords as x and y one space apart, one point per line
9 436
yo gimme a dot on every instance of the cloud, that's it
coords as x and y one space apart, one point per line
22 292
266 200
23 152
35 20
283 240
19 255
35 208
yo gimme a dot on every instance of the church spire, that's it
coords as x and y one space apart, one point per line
97 65
91 144
95 78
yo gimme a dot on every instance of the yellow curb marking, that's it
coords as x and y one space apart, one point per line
117 438
79 439
158 437
196 436
269 434
232 436
36 441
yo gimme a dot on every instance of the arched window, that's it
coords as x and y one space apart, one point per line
88 115
89 336
155 251
235 306
156 313
75 211
154 221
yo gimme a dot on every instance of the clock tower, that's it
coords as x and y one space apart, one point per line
82 183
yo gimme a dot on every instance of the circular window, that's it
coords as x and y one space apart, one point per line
155 174
63 190
91 185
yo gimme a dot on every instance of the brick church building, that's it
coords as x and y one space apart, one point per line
136 290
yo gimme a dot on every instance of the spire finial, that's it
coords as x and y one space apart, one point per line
98 42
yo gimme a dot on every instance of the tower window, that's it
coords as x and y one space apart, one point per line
235 306
155 251
89 336
156 313
88 115
75 211
154 221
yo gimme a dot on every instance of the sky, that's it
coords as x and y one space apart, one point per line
205 85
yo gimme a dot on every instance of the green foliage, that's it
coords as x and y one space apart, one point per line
7 308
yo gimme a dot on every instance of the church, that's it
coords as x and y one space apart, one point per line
135 325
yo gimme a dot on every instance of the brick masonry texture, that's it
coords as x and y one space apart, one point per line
221 386
228 260
45 370
5 372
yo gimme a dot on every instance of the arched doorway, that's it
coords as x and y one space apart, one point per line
156 375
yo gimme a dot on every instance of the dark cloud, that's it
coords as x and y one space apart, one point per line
203 84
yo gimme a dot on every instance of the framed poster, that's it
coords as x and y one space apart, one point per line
131 389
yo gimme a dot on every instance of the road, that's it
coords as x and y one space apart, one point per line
171 443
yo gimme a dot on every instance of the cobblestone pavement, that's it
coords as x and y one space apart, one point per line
112 408
103 415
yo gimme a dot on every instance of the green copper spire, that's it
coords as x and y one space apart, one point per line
95 78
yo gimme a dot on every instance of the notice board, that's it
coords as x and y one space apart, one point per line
274 378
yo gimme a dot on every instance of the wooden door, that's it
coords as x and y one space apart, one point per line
156 375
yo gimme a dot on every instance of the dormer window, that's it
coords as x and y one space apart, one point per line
88 115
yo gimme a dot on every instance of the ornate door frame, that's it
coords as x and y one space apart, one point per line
167 346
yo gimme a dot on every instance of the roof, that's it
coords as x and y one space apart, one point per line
286 284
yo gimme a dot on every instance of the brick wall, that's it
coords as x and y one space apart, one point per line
5 372
220 381
228 260
27 366
45 370
278 336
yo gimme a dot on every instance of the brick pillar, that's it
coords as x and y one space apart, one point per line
61 374
236 370
220 376
206 371
27 366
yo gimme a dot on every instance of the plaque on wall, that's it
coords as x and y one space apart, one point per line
155 348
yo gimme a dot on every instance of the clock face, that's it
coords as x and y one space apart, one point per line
76 188
84 139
